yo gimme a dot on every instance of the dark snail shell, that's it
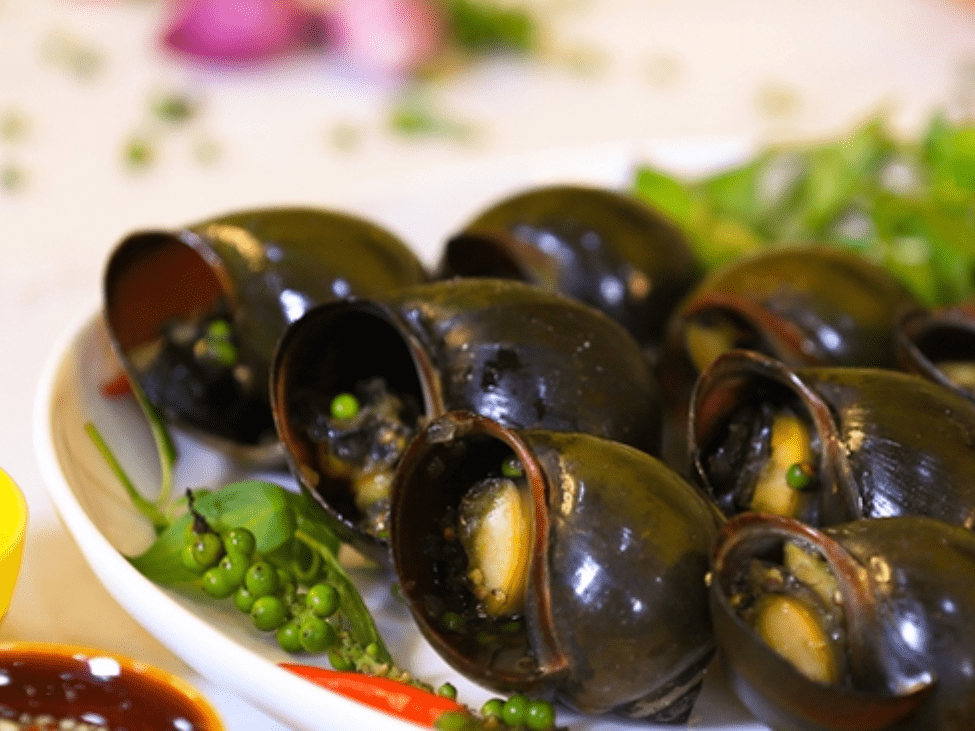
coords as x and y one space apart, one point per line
885 442
516 353
257 270
939 344
603 247
905 587
804 306
614 616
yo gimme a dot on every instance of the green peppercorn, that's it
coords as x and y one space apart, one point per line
540 716
452 622
317 635
243 599
799 476
289 636
207 549
453 721
261 579
512 468
269 613
240 541
323 599
344 406
218 330
515 709
493 707
217 583
188 559
340 662
234 567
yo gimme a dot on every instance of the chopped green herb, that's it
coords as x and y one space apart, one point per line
14 125
73 54
13 178
138 153
417 117
175 107
908 204
487 27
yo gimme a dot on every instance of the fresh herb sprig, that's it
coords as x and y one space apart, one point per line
907 204
288 532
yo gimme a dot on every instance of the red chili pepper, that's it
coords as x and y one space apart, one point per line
398 699
118 385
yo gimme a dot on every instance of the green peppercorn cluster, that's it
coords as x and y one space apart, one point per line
298 611
303 613
517 713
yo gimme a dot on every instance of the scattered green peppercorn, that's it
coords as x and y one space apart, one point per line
218 330
452 622
453 721
221 352
515 710
512 467
174 107
345 406
493 707
799 476
540 716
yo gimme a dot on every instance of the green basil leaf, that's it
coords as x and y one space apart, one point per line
266 509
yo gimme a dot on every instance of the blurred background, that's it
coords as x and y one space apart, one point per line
124 114
169 110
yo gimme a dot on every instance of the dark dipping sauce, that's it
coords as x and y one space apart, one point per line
96 690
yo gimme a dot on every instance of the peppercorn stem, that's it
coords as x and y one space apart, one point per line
354 609
146 507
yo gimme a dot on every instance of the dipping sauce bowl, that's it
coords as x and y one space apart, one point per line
45 683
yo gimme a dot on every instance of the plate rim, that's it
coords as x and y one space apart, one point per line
113 570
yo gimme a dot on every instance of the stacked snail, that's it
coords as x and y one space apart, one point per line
587 463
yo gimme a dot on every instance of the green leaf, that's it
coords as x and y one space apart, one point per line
665 194
266 509
489 27
909 204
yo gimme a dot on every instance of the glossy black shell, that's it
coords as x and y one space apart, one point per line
891 443
907 586
523 356
600 246
805 306
264 268
616 615
929 337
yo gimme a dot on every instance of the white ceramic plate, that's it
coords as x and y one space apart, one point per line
213 637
